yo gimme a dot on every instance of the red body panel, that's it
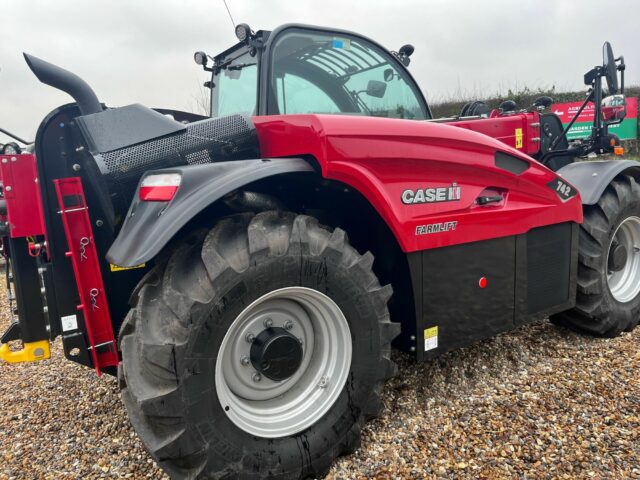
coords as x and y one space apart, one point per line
381 158
22 193
518 130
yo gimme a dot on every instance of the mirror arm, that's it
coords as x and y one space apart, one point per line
573 120
621 68
15 137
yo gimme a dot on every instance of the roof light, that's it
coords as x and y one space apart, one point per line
243 31
160 187
200 58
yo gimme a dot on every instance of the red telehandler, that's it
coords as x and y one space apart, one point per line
223 267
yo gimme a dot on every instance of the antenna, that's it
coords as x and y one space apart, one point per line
233 24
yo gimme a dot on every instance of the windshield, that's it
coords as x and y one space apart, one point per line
316 72
236 86
327 73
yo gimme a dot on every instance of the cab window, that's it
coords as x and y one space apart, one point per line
339 74
236 87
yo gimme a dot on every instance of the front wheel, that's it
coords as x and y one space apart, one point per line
608 297
258 351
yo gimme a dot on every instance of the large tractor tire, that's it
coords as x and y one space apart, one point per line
258 351
608 297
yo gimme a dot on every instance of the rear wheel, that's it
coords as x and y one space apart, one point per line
608 297
258 351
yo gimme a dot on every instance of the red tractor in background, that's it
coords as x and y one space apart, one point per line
223 268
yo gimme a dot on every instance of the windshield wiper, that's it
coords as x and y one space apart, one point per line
239 66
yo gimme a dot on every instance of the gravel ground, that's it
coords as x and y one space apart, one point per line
539 402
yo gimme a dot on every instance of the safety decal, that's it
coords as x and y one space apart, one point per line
69 322
435 228
430 338
563 189
519 142
118 268
432 195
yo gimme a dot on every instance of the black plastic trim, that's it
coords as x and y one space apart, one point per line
126 126
591 178
150 225
512 164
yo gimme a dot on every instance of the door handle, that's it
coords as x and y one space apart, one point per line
486 200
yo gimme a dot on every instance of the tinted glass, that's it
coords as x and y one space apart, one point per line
324 73
236 87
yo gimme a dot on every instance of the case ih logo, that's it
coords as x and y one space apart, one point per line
432 195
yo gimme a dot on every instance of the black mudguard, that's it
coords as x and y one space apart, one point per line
150 225
591 178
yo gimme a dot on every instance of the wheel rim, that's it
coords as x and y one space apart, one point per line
272 409
624 284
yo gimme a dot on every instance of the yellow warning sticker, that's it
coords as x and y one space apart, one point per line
118 268
518 138
430 338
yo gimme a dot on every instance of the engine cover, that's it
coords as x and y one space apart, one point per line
128 141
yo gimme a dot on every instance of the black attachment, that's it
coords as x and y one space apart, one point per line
508 106
473 109
66 81
543 102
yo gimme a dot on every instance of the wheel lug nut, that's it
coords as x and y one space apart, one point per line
288 325
250 337
256 377
268 322
245 361
324 380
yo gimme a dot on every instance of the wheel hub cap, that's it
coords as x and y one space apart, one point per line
617 257
276 354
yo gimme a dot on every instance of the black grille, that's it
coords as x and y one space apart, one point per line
548 266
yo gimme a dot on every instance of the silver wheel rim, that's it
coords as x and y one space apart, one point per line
271 409
625 284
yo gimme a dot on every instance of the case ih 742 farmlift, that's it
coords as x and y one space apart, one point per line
223 268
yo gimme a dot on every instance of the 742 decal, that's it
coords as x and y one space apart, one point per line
563 189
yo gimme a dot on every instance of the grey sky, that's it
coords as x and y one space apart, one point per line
141 51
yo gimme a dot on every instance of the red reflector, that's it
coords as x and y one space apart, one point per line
157 194
483 282
159 187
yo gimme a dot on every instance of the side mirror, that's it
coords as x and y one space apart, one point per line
375 88
613 109
610 69
388 74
